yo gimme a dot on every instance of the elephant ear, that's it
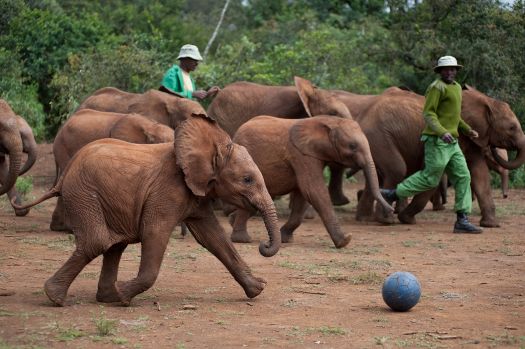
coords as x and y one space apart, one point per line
315 137
183 108
197 148
306 91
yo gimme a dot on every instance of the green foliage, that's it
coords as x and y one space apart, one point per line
104 326
125 67
24 185
21 96
43 40
54 53
326 55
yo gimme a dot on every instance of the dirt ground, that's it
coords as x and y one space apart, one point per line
473 287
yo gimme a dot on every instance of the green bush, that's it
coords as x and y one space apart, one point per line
21 95
125 67
24 185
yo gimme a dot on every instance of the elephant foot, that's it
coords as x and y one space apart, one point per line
254 286
241 236
286 237
55 293
21 213
339 199
364 218
389 219
489 223
406 219
107 295
124 299
344 241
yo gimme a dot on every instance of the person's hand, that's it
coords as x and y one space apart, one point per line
473 134
447 138
213 90
199 94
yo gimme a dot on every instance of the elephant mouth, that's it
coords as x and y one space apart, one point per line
247 205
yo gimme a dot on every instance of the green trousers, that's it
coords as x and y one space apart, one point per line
440 157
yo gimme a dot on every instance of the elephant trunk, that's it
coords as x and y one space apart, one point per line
370 172
511 164
269 214
30 149
13 145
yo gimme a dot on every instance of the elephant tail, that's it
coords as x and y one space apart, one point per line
48 195
54 191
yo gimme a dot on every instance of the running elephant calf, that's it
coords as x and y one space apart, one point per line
117 193
291 155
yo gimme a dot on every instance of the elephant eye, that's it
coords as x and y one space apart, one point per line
352 146
247 179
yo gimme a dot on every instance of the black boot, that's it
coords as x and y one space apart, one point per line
463 226
389 195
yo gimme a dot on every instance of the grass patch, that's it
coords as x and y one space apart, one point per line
119 340
65 243
69 334
368 278
409 243
332 331
104 326
505 339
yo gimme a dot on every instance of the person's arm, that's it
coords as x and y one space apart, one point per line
430 112
464 127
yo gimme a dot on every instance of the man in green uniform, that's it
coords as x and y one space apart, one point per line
177 79
442 114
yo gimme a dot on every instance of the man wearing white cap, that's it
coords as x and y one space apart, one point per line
442 114
177 79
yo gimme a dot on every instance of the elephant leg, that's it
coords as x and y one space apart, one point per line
209 233
315 192
394 171
418 203
401 204
183 229
480 181
58 219
107 293
309 212
240 226
298 208
56 287
335 187
12 193
365 205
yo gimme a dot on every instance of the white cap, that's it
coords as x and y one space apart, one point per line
190 51
447 61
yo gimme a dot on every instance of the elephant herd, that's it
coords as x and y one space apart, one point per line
130 167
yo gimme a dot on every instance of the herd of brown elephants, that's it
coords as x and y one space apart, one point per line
253 143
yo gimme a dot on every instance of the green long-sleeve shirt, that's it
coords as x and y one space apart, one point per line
442 110
174 81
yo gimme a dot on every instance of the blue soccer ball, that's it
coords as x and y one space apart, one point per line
401 291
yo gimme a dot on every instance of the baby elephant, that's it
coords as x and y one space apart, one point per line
292 154
88 125
118 193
